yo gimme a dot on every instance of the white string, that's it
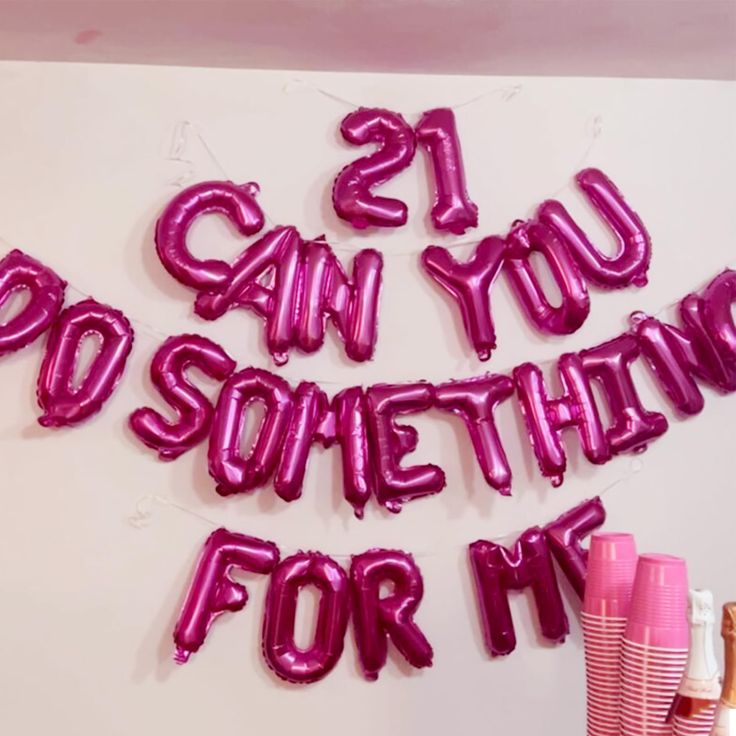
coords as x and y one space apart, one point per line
506 93
143 516
596 130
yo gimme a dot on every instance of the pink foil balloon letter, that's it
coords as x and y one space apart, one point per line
453 209
470 284
545 418
63 402
677 356
288 661
498 570
718 300
474 400
352 434
610 364
351 192
390 441
236 202
232 472
276 253
18 273
631 262
377 619
304 428
342 422
212 590
327 293
194 411
565 534
528 238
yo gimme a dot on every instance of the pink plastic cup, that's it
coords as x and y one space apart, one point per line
610 576
603 674
654 676
608 634
658 613
698 725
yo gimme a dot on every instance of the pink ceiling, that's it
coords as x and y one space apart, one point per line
647 38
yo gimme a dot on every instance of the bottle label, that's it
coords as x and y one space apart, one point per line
702 689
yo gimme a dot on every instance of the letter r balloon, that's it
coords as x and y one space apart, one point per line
377 618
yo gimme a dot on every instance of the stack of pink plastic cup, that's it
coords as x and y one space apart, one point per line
608 586
655 645
700 724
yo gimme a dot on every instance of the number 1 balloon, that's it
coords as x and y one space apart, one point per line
453 209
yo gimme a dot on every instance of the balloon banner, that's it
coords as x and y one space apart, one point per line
307 284
363 422
571 258
378 619
374 446
453 210
298 286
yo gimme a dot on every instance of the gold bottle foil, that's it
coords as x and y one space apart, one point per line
728 631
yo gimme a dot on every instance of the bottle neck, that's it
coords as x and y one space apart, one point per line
728 693
701 662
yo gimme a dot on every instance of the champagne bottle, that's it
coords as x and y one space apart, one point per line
725 722
697 696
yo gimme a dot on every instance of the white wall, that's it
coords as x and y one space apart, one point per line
88 601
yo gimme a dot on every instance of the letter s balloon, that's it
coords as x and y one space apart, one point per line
169 374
